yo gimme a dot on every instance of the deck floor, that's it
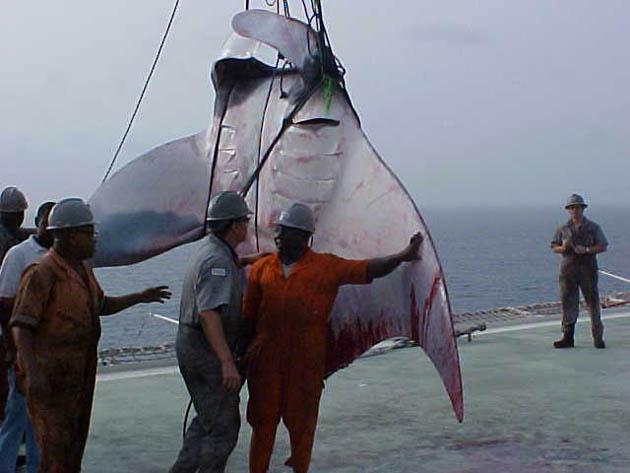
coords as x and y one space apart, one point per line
528 408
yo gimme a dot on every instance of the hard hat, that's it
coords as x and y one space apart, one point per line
298 216
70 213
227 205
12 200
575 199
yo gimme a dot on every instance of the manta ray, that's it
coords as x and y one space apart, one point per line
282 133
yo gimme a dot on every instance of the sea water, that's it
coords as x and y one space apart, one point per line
492 257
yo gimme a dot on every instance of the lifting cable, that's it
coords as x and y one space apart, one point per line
144 89
260 142
190 403
328 59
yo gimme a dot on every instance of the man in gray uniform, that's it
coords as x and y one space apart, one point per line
209 338
578 241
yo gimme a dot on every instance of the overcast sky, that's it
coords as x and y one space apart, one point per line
491 102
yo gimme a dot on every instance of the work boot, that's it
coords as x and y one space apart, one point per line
599 344
567 339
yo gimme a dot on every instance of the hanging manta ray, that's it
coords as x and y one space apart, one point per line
281 134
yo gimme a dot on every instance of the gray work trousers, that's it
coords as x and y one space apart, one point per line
212 434
573 278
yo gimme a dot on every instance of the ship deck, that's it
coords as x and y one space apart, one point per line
528 408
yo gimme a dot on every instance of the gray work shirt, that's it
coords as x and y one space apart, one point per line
588 233
214 281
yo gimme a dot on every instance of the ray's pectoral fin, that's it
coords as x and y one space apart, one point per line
369 214
294 39
154 203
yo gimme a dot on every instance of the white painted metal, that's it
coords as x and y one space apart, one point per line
614 276
163 317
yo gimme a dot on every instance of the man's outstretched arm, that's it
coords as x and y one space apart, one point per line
112 305
380 267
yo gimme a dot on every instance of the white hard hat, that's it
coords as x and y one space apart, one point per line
227 205
70 213
575 199
12 200
298 216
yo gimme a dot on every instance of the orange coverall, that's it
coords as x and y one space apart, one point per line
63 311
286 359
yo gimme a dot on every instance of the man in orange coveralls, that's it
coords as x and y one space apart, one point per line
56 328
289 298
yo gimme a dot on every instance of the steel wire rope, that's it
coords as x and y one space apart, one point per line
186 417
309 93
306 15
270 3
144 89
260 140
309 19
319 27
321 31
286 123
329 60
132 119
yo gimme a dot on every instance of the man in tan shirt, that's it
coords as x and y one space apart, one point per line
56 328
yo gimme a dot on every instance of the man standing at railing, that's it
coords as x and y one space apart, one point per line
578 241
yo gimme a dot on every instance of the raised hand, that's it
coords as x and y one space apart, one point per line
155 294
412 253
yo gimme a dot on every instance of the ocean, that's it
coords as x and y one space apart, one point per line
492 257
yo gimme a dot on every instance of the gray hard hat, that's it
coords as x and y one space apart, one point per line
227 205
70 213
575 199
12 200
298 216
